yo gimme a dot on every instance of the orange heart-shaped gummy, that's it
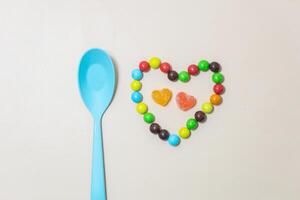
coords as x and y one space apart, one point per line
162 97
184 101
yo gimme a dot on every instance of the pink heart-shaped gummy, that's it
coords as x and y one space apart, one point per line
184 101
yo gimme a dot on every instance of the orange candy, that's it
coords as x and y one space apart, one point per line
215 99
184 101
162 97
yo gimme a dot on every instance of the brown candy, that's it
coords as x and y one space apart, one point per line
172 75
200 116
155 128
163 134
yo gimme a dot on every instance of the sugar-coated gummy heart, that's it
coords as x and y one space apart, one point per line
162 97
185 101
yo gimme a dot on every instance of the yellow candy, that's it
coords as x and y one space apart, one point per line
141 108
207 107
162 97
184 133
154 62
136 85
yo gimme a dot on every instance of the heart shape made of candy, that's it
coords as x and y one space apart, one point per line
184 76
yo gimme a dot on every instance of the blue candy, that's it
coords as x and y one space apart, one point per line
137 74
136 97
174 140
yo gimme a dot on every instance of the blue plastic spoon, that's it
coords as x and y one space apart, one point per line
96 80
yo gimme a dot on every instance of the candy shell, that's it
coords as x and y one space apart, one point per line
137 74
203 65
184 76
136 85
219 89
207 108
184 133
154 62
216 99
218 77
192 124
165 67
141 108
193 70
174 140
144 66
136 97
149 118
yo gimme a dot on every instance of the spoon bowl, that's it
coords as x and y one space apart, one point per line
96 79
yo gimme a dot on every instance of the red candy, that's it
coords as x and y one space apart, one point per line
184 101
219 88
193 70
144 66
165 67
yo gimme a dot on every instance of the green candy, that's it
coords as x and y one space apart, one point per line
149 118
203 65
184 76
217 77
192 124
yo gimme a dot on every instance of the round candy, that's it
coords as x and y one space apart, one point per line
215 67
174 140
219 88
184 76
217 77
141 108
144 66
203 65
163 134
154 62
136 85
136 97
216 99
172 76
200 116
184 133
149 118
165 67
193 70
207 108
191 124
155 128
137 74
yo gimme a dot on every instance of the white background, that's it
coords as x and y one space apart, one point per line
248 148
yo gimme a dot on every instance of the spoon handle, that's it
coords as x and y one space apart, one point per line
98 190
